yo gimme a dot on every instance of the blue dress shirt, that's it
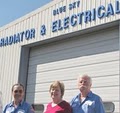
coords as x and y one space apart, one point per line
23 107
91 104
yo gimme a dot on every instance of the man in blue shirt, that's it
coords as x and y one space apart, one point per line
86 101
18 105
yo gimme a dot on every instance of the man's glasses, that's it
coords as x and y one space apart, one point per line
18 91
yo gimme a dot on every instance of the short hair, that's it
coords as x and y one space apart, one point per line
55 84
18 84
85 75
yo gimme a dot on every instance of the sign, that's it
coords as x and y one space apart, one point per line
68 21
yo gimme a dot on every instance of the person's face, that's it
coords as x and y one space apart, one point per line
84 84
18 93
55 93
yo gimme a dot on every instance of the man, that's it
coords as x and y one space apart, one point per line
86 101
18 105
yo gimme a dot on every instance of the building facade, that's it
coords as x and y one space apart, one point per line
59 41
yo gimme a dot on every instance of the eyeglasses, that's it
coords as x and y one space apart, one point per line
18 91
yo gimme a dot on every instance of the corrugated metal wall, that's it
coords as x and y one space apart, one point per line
9 68
10 55
45 16
96 54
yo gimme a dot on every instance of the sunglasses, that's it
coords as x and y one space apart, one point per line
18 91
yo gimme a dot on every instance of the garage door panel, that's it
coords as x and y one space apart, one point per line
38 97
41 87
78 65
98 82
72 72
105 94
92 59
79 41
104 47
96 54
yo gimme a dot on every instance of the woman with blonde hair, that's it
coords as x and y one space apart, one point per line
58 105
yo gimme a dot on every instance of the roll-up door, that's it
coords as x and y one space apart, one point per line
95 54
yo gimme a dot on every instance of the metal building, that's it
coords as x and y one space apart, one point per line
59 41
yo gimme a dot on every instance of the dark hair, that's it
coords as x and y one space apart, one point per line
18 84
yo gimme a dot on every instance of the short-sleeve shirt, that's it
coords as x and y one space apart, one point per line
91 104
23 107
63 107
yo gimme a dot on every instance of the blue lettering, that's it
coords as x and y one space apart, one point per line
78 3
93 14
99 13
2 42
73 20
80 17
70 6
21 35
54 26
54 12
74 5
60 25
110 10
43 30
10 40
64 8
87 16
27 34
57 11
117 7
16 38
66 22
32 33
60 9
6 41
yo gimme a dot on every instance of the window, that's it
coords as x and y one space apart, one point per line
39 108
109 107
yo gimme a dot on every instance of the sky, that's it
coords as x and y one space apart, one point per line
11 10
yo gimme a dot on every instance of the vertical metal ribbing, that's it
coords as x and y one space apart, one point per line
119 65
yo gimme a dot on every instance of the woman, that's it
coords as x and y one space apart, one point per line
58 105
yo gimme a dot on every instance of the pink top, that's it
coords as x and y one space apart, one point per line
62 107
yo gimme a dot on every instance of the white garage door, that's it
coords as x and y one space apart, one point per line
96 54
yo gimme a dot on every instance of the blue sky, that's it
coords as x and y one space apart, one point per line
10 10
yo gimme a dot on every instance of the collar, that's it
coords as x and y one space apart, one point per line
78 97
89 94
20 104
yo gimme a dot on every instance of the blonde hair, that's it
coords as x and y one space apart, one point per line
56 84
